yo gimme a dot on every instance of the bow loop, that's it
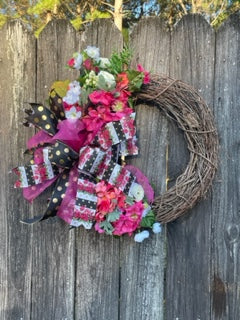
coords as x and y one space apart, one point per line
56 104
62 155
42 118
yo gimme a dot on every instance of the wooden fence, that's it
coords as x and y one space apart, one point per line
189 272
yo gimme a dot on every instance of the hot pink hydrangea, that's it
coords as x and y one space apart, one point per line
130 221
101 97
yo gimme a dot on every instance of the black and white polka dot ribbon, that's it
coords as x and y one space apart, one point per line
95 162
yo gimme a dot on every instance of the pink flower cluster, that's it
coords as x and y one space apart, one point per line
110 199
103 105
106 108
130 220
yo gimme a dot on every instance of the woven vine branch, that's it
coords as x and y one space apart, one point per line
181 103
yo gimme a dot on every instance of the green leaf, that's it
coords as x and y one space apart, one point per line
107 227
76 23
43 6
61 87
126 55
3 20
118 61
129 200
135 79
130 102
125 33
39 30
85 92
96 14
113 216
148 220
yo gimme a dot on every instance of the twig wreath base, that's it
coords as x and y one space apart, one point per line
180 102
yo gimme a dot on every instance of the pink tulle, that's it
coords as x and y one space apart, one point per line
30 193
143 181
66 210
38 156
70 133
40 137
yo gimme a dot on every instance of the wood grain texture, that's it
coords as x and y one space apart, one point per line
97 256
225 285
142 265
53 275
48 272
150 42
17 85
103 34
188 263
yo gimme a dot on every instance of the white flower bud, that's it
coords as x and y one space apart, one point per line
136 191
93 52
77 60
108 78
157 228
104 63
139 237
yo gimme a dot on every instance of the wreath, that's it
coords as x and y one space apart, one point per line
88 130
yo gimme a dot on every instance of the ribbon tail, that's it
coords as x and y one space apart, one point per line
33 220
86 202
66 209
32 192
57 195
55 201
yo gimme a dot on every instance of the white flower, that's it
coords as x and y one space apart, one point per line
104 62
106 79
73 113
91 79
157 228
92 75
73 93
136 191
93 52
139 237
70 99
74 88
77 60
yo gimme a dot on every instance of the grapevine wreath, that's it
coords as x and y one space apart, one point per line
89 127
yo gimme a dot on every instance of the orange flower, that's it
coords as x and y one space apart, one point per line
122 80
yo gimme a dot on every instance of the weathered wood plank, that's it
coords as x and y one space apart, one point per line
17 85
53 278
142 265
49 272
97 256
189 238
225 266
103 34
